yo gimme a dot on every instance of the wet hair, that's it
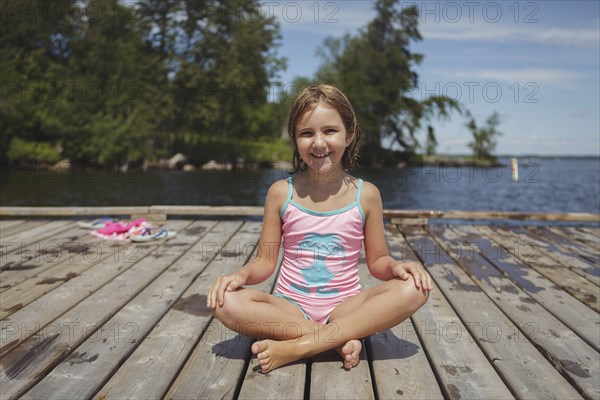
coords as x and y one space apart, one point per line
306 101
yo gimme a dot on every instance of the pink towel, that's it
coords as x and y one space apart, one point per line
117 227
118 231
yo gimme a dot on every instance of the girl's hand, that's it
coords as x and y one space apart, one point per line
421 277
229 283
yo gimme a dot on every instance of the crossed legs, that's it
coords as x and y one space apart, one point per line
287 336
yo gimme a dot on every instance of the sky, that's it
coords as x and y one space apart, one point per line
537 63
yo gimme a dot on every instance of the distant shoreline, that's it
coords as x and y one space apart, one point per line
566 157
425 161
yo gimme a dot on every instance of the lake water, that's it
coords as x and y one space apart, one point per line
545 185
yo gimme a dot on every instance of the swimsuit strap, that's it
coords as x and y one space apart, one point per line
289 197
358 190
290 189
360 209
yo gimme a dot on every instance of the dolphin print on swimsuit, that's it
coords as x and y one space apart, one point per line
329 259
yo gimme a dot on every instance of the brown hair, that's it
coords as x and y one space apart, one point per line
307 100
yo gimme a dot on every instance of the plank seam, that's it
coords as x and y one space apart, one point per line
422 340
477 343
369 351
109 376
66 354
491 360
205 327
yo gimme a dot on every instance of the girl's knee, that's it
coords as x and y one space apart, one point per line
408 295
231 308
416 298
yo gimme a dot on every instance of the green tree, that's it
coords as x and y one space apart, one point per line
431 142
115 124
116 82
34 54
484 138
221 60
376 70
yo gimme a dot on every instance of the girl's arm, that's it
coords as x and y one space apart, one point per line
379 262
262 266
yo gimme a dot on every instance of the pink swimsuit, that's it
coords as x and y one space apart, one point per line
320 259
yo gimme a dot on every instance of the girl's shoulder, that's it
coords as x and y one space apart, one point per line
278 192
370 198
369 191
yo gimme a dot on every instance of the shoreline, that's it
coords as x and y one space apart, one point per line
425 161
66 166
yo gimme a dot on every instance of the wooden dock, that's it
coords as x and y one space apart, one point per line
514 314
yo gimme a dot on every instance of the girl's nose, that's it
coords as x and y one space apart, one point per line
319 142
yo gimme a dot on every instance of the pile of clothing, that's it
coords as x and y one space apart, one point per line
137 231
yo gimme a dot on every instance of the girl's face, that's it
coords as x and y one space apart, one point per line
321 138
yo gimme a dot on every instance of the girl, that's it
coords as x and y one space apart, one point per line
324 215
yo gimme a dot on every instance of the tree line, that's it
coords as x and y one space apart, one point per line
112 83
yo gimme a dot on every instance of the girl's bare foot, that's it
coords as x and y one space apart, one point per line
273 354
350 353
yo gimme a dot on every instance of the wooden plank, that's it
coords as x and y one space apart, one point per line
570 311
25 225
287 382
138 317
29 261
329 380
9 244
584 235
593 230
41 312
21 368
70 211
568 353
5 223
491 215
409 221
208 210
155 363
219 362
399 366
258 211
460 365
575 235
569 244
529 253
523 369
20 295
80 256
555 251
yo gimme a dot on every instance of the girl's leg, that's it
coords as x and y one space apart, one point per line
371 311
263 316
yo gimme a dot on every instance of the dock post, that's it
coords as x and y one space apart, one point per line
515 169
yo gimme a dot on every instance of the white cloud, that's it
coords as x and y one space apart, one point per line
481 31
555 77
336 18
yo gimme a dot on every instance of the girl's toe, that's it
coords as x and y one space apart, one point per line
258 347
265 368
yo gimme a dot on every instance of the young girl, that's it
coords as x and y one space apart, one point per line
324 215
